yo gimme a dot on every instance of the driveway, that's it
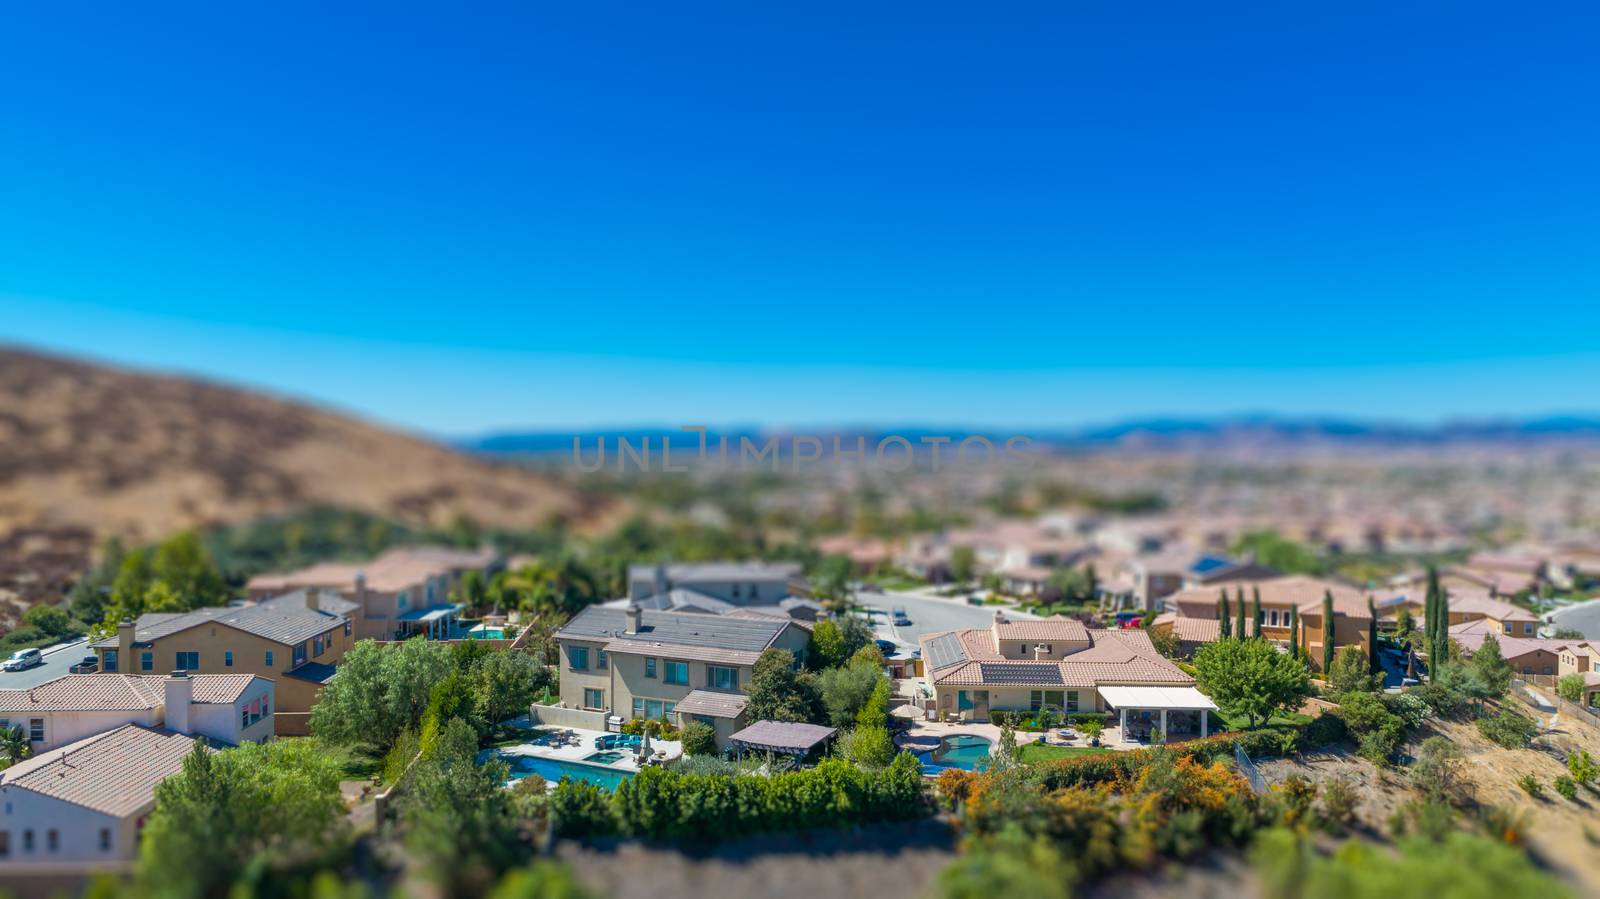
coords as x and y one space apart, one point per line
930 614
57 660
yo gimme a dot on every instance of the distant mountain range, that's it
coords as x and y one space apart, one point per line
1248 432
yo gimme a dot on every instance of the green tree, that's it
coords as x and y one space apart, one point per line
1582 767
831 582
1350 673
457 816
1405 625
1250 679
1329 630
778 692
856 634
963 564
1222 615
827 646
1272 549
1461 866
49 620
182 563
1294 632
379 693
505 683
846 689
1570 687
1241 631
128 590
92 591
1372 635
699 738
541 880
1491 667
225 809
1255 610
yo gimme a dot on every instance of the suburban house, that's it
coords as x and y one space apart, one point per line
639 663
866 554
297 648
718 588
1028 664
224 708
88 800
1531 657
1579 657
1510 620
1281 598
401 593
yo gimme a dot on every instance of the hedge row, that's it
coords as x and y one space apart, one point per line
659 803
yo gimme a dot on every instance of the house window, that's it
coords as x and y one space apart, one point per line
52 840
147 661
1527 627
110 659
649 667
227 659
578 658
400 601
105 839
601 660
677 673
269 658
5 844
1272 617
347 627
1055 699
755 591
36 730
1044 648
1547 670
721 678
1506 627
594 699
27 841
735 591
186 661
316 648
299 655
1072 701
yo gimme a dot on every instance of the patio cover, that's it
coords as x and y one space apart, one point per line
1173 698
431 613
787 737
712 704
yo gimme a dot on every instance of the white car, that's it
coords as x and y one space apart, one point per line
22 660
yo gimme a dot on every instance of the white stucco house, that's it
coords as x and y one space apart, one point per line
224 708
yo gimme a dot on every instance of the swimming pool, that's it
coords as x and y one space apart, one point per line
607 757
968 752
555 769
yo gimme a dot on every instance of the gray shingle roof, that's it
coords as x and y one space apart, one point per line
287 625
675 628
327 601
719 571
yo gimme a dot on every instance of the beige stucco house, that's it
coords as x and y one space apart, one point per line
1281 597
684 666
225 708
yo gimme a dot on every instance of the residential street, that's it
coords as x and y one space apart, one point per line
929 613
56 663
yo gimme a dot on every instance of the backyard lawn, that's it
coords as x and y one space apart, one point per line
1039 752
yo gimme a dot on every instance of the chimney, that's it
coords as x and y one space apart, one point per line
634 617
661 579
125 645
179 697
313 599
1039 653
361 591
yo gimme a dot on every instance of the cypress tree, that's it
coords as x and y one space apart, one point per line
1243 632
1255 608
1294 631
1222 615
1442 641
1372 635
1430 624
1327 631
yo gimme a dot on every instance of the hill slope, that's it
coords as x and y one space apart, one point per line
87 450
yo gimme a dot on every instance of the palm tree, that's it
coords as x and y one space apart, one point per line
14 746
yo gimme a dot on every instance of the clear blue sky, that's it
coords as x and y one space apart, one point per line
589 214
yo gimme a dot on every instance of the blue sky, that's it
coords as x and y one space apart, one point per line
462 219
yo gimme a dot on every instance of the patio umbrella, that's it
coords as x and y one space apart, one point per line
909 710
644 745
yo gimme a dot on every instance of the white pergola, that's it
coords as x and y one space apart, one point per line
1162 699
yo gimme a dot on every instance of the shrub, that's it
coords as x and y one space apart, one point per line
581 809
1352 673
1326 729
955 785
1463 866
1296 797
1508 729
699 738
1340 801
1434 773
1424 818
868 745
1570 688
1408 707
1531 786
1567 788
1582 767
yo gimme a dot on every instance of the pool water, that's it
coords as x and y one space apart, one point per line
555 769
606 758
968 752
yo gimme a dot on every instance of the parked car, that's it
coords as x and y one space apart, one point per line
89 665
900 619
886 646
871 588
22 660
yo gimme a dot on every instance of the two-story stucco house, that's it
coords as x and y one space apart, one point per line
684 666
295 647
1291 610
225 708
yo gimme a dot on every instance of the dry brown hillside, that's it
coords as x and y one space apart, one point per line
87 450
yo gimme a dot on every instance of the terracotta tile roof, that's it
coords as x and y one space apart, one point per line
1298 590
1479 604
396 569
1063 629
1114 656
118 692
713 704
1191 630
114 773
